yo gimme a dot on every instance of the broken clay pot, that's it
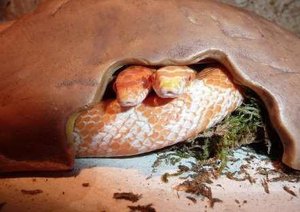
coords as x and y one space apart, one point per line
61 58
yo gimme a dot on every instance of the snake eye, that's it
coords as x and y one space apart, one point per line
191 77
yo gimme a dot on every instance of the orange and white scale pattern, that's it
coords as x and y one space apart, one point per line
108 129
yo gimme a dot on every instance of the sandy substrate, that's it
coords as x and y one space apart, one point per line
90 187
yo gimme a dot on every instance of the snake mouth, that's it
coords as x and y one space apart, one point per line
128 103
171 94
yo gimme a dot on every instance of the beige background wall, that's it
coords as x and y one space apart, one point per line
284 12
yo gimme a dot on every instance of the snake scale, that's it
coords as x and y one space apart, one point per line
184 104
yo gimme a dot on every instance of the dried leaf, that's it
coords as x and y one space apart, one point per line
192 199
142 208
128 196
288 190
85 184
213 201
265 185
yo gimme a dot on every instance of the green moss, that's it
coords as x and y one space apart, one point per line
246 125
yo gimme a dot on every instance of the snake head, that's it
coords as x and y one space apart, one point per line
171 81
133 85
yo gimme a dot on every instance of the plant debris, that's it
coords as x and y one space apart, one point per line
165 176
265 185
192 199
85 184
230 175
183 168
32 192
211 154
194 187
142 208
198 187
249 178
128 196
281 173
213 201
288 190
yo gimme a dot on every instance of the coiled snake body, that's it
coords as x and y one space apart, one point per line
184 105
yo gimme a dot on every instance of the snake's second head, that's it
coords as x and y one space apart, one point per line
170 81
